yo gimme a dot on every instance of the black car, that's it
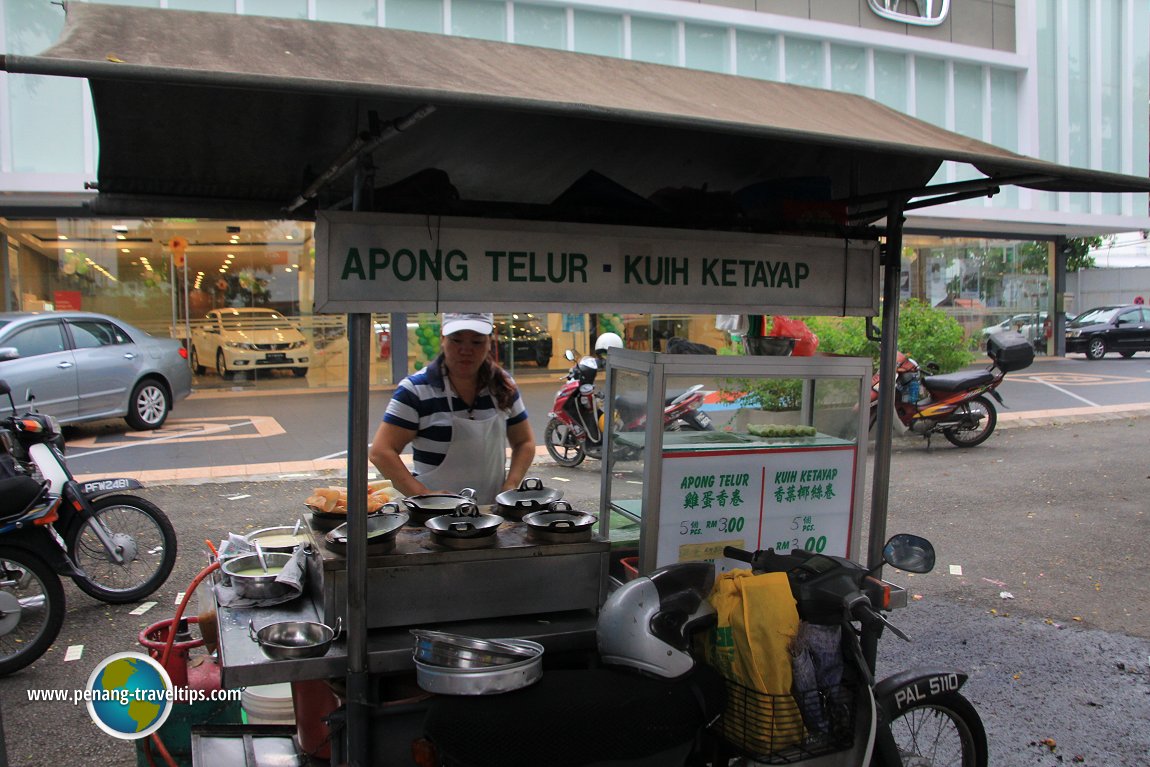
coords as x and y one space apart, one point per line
1123 329
526 334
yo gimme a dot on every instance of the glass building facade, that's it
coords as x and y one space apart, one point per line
1063 80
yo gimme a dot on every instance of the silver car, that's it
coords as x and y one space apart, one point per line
84 367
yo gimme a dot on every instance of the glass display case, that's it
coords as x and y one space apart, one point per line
707 451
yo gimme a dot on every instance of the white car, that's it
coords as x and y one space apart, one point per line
241 340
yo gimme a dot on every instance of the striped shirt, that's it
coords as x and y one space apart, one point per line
421 404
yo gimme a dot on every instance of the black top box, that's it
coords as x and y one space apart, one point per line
1010 351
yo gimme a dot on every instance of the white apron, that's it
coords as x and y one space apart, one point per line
476 457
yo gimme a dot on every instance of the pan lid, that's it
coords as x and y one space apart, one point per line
441 502
464 522
379 525
531 494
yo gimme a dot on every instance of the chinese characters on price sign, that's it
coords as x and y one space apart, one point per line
771 497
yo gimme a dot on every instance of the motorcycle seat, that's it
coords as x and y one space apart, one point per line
958 381
18 493
632 402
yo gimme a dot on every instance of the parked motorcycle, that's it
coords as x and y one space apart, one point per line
651 703
576 428
955 404
120 547
31 596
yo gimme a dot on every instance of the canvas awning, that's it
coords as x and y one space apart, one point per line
199 107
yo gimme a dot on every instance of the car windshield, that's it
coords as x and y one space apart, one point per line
1094 316
252 319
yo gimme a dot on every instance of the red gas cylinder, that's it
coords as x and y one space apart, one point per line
155 638
313 701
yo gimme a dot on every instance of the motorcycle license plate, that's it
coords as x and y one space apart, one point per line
703 419
278 357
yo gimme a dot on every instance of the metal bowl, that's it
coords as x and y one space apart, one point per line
249 580
290 640
438 648
276 539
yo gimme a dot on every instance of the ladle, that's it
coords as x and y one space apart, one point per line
260 557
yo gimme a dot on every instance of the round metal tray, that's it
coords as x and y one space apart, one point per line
482 681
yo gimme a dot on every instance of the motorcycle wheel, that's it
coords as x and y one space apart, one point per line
562 444
945 731
31 608
145 538
961 435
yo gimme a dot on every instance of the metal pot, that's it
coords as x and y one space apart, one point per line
531 496
382 528
289 640
424 507
279 540
251 582
560 524
464 522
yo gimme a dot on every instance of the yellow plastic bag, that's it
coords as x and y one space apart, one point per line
757 619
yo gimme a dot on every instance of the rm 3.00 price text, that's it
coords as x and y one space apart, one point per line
719 525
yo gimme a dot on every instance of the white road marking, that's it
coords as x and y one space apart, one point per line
146 442
1071 394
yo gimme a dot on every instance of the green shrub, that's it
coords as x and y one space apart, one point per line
925 333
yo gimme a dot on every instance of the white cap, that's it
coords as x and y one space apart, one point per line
475 321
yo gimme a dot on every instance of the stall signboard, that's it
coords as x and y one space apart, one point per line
367 262
784 498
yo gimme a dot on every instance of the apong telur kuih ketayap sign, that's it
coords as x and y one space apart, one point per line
371 262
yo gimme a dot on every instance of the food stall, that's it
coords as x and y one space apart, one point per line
497 177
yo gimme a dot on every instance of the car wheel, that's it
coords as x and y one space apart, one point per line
299 372
1096 349
1127 355
196 366
222 365
149 405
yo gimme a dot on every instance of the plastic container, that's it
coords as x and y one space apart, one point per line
268 704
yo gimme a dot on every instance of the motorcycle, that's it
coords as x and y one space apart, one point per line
119 547
31 596
647 701
576 429
956 404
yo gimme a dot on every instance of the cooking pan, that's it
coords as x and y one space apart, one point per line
424 507
531 496
382 529
463 523
559 523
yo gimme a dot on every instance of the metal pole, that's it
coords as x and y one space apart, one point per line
358 386
888 358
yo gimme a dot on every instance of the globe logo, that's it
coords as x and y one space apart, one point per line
129 695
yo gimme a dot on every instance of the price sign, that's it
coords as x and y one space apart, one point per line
783 498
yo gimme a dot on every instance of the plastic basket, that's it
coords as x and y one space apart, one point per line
782 729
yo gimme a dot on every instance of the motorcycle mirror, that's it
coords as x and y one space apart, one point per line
911 553
570 355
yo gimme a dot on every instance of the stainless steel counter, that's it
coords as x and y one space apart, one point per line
243 663
549 593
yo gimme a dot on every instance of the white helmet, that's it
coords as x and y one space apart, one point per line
646 624
608 341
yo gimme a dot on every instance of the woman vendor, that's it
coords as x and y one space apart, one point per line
458 414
